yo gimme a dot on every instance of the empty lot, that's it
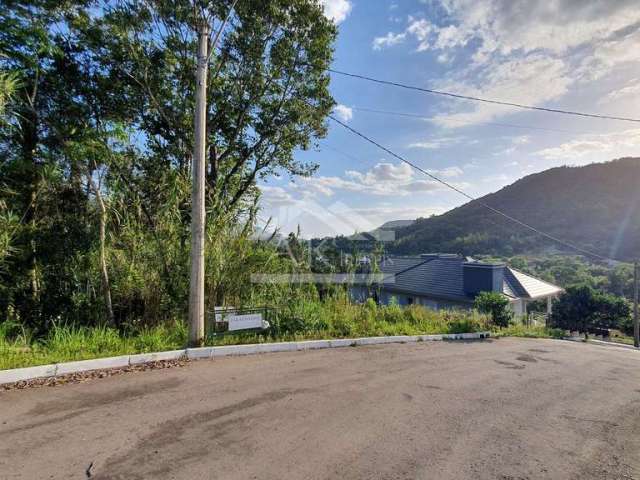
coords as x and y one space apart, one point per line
505 409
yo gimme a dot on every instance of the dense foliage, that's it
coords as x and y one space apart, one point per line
581 308
496 306
95 152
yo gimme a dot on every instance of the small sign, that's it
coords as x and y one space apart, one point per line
242 322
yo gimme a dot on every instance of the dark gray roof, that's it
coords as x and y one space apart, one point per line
442 276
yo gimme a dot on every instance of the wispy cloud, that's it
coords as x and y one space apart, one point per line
631 91
522 51
388 40
593 144
436 143
383 180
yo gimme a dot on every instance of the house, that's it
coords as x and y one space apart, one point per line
448 281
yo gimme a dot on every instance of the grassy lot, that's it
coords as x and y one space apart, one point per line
310 320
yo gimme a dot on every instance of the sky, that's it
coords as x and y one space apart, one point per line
578 55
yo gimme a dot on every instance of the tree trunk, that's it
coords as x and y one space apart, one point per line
104 273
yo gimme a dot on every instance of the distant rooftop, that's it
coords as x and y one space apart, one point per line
442 275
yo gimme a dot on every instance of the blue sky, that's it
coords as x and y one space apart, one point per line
571 54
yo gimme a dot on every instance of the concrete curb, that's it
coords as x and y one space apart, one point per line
30 373
602 343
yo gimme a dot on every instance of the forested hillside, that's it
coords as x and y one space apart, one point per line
596 206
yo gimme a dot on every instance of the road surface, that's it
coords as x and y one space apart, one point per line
499 409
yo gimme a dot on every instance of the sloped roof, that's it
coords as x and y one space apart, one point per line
442 276
529 287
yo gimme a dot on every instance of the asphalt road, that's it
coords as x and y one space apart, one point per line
500 409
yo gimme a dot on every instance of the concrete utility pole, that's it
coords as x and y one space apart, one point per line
636 323
196 285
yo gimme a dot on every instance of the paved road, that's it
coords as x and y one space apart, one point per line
503 409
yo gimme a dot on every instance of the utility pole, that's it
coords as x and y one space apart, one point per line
636 323
196 285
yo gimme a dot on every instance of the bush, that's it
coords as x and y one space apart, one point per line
582 308
495 305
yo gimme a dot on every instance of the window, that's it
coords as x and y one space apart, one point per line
409 300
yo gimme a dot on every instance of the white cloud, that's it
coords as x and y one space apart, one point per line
584 145
525 51
534 79
343 112
449 172
383 172
336 10
384 179
505 26
318 220
436 143
388 40
420 29
631 91
276 196
417 28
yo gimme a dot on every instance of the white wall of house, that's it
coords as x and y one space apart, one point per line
518 306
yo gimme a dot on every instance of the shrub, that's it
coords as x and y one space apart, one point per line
582 308
495 305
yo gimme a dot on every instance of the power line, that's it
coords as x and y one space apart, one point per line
470 197
495 124
483 100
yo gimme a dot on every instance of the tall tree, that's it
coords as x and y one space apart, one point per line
267 96
100 219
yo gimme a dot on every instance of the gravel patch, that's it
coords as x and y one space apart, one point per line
82 377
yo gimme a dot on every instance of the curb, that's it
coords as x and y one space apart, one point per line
602 343
40 371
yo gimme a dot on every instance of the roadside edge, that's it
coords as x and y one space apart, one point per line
53 370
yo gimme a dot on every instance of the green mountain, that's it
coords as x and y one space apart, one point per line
596 207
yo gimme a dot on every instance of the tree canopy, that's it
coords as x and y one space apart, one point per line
96 143
582 308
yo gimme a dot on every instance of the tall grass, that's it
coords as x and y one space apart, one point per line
67 343
335 317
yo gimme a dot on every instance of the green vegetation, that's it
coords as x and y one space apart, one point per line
334 317
496 306
96 133
532 331
592 206
96 115
582 308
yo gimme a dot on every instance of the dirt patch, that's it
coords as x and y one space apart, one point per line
143 460
511 365
526 358
95 400
81 377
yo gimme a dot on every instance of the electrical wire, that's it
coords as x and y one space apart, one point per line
472 198
483 100
494 124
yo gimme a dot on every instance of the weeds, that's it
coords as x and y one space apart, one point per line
334 317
